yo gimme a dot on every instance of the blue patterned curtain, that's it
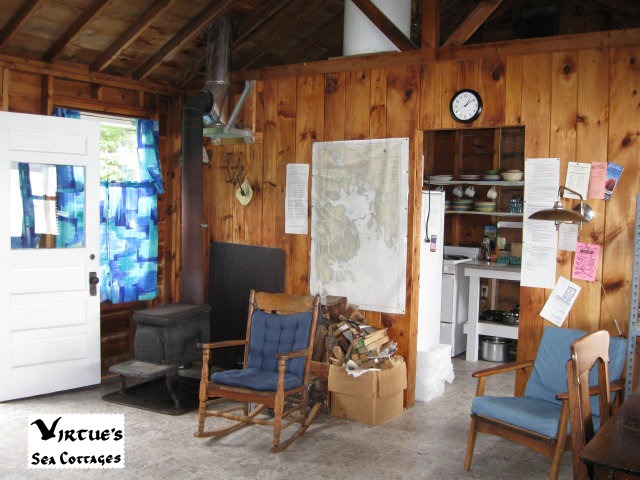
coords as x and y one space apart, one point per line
129 223
129 241
29 238
147 132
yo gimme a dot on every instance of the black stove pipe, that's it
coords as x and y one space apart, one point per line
192 281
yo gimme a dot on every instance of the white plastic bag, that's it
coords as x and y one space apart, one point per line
433 368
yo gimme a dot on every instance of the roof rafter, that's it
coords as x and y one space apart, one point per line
74 29
386 26
258 19
472 23
323 32
192 29
134 31
19 18
280 31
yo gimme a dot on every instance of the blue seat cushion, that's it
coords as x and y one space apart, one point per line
274 333
531 414
255 379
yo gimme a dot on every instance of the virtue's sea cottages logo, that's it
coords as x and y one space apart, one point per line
76 441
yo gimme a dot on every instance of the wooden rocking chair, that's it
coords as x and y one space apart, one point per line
277 362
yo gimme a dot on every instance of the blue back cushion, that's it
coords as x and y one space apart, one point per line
273 333
549 376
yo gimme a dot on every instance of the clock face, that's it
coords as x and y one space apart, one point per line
466 106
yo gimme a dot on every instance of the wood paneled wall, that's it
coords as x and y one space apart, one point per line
23 89
579 105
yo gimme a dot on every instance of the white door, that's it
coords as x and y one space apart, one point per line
49 315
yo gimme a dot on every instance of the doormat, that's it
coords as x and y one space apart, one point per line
154 396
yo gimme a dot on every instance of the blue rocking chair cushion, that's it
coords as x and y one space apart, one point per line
271 334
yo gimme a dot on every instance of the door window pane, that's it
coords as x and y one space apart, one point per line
47 206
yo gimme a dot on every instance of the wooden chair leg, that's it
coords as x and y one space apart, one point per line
560 441
471 443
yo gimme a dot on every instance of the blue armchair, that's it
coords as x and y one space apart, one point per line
539 419
277 362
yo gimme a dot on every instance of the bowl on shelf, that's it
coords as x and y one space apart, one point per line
461 204
485 206
512 175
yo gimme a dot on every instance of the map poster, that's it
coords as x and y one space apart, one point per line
359 202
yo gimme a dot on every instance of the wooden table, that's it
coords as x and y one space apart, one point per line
614 451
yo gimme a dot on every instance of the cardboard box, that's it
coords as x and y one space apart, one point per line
373 397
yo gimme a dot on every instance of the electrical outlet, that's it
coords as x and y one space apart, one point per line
484 291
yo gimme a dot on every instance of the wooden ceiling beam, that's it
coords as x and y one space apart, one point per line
430 37
256 21
282 30
19 18
326 30
472 23
105 59
74 29
191 30
386 26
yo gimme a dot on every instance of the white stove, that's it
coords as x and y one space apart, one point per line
455 296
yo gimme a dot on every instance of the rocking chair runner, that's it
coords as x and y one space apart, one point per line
276 370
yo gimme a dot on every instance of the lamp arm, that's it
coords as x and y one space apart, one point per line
562 188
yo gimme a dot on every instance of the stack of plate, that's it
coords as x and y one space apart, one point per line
461 204
470 177
440 178
485 206
447 204
488 176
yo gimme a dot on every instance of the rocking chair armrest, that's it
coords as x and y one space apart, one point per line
284 356
614 386
507 367
222 344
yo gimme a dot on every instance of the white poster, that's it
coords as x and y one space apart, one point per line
560 301
578 175
359 199
296 206
539 237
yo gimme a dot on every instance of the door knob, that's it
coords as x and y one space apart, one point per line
93 281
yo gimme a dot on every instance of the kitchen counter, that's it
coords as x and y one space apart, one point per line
476 270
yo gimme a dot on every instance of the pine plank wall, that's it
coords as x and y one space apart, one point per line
577 98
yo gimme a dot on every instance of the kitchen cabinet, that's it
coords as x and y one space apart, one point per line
471 151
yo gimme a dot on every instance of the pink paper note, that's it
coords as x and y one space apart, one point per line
597 179
585 262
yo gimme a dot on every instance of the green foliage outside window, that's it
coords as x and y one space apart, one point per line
118 154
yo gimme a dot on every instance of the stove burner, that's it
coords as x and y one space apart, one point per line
450 256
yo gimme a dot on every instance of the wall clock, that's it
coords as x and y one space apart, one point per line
466 105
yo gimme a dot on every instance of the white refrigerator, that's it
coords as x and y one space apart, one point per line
430 285
433 361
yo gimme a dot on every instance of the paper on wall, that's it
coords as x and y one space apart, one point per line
296 215
577 179
560 301
614 171
539 237
585 263
597 178
568 236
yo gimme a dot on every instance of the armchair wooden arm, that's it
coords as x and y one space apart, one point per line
482 375
222 344
284 356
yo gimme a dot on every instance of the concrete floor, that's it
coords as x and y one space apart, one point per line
427 442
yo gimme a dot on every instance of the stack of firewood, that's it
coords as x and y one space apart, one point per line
344 336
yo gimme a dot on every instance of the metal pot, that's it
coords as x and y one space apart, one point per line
510 318
494 349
